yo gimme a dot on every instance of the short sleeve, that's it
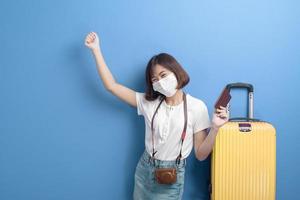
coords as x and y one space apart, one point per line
202 120
140 102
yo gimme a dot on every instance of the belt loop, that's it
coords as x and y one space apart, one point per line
149 159
178 159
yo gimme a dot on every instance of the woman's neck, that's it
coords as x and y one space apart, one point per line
176 99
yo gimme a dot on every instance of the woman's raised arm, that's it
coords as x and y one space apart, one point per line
124 93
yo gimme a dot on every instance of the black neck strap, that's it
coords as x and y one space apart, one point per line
183 132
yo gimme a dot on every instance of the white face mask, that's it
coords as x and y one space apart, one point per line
167 85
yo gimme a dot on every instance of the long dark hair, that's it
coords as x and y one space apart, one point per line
170 63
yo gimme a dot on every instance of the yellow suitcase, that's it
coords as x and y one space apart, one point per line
243 164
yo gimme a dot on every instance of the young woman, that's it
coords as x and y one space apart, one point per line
175 122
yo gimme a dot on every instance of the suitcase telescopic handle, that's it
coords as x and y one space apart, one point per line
249 88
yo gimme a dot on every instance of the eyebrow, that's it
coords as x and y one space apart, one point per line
159 73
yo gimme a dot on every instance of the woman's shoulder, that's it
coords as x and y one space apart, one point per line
145 106
142 97
196 102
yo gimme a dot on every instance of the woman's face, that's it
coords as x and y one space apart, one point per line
159 72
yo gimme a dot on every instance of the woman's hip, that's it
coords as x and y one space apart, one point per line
146 186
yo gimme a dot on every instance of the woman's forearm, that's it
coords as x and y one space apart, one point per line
103 71
207 145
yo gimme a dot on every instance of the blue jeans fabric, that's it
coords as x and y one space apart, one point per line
145 185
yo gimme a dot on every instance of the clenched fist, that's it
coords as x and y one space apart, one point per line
92 41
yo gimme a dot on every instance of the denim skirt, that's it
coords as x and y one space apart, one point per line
146 186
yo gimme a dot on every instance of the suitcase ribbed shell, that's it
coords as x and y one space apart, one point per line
244 163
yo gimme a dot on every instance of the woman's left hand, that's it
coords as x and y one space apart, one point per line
220 117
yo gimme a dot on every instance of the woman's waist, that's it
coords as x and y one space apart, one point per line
162 163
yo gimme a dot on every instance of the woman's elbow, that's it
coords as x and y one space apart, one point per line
201 157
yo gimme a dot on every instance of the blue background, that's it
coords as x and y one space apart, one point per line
63 136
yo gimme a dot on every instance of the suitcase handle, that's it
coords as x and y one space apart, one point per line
250 90
247 86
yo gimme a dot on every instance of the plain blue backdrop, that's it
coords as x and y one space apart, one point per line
63 136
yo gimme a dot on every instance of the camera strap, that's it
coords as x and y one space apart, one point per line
183 132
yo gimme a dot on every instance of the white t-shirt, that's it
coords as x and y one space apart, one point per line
168 125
